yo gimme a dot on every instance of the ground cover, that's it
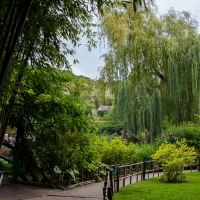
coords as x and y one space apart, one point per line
153 189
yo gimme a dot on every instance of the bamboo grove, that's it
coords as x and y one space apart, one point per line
152 67
37 35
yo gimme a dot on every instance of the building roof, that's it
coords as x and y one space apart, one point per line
104 107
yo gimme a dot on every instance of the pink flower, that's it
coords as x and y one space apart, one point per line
163 136
171 134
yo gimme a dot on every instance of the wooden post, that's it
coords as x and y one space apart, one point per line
1 177
124 179
144 170
111 182
118 179
81 175
198 163
52 177
109 193
105 186
61 179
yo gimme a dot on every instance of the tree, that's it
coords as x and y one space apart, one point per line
43 115
33 32
151 60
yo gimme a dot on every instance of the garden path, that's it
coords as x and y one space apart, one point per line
94 191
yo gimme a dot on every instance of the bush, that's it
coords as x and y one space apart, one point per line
7 167
174 157
115 151
166 138
67 151
108 129
189 131
144 152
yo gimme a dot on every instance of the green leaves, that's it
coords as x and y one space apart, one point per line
57 170
73 173
161 52
174 157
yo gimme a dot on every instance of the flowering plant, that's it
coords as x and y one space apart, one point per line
170 138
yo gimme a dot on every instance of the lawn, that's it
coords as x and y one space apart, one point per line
155 190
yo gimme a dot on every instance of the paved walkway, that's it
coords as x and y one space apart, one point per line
11 191
93 191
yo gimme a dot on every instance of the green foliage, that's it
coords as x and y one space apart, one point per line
141 138
189 131
110 151
5 165
116 151
102 112
37 42
151 67
144 152
166 138
67 150
108 128
174 157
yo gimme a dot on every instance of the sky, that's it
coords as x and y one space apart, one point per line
90 62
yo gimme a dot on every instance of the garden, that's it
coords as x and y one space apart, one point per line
52 120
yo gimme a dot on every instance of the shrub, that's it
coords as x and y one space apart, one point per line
67 151
166 138
108 129
6 166
189 131
144 152
174 157
117 151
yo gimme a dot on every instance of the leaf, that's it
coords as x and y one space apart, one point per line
73 173
57 169
30 91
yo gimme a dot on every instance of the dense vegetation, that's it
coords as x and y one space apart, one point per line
152 67
150 78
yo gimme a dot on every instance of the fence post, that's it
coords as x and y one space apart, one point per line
118 179
105 185
198 163
144 170
109 193
111 182
15 164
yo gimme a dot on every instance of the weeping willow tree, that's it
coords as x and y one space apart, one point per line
152 66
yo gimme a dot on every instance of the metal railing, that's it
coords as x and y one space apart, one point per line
122 175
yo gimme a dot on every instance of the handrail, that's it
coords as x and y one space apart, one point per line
140 170
14 162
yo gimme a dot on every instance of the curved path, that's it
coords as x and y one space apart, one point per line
93 191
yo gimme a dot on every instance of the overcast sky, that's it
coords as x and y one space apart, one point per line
89 62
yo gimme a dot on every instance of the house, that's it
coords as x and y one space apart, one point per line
101 108
107 108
